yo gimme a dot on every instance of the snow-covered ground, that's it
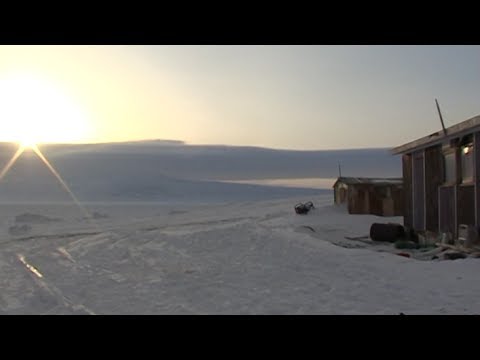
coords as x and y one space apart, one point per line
255 257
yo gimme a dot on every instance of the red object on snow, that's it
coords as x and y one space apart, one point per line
404 254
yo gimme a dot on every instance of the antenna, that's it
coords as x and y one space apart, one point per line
441 118
339 170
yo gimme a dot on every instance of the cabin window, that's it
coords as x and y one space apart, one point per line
467 162
450 168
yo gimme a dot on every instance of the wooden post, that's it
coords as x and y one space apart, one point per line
441 118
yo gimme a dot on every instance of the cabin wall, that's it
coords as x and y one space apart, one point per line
398 196
444 206
418 191
476 180
375 201
407 190
447 209
358 199
466 205
350 199
371 199
340 193
433 179
386 200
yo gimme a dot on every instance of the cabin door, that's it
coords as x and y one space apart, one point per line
418 192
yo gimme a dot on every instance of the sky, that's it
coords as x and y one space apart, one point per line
288 97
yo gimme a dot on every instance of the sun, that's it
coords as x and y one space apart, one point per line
27 140
35 110
27 143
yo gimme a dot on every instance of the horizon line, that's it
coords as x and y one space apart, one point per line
184 143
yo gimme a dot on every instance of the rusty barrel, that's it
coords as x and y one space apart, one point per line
387 232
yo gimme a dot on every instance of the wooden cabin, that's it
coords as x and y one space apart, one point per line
441 174
377 196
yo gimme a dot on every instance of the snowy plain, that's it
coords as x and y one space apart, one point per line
251 257
169 228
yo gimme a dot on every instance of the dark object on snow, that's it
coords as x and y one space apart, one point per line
28 218
309 204
304 208
402 244
99 215
17 230
403 254
454 256
366 237
411 234
309 228
386 232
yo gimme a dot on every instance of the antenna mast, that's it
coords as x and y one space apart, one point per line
441 118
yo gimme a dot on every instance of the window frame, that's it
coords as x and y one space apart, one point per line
447 152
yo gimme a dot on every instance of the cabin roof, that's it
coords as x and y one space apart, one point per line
460 129
369 181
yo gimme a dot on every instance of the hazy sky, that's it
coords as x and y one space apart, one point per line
293 97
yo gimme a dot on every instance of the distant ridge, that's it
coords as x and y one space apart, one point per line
165 169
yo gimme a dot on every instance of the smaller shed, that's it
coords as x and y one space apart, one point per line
376 196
